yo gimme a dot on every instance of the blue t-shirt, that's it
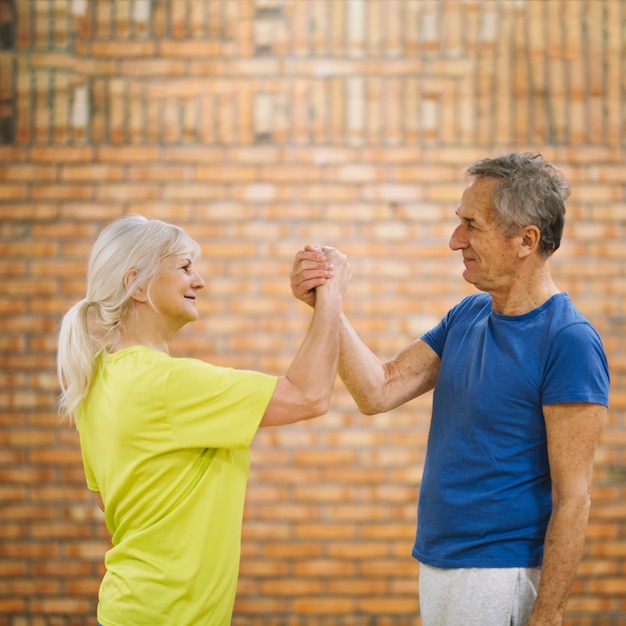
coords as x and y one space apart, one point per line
485 498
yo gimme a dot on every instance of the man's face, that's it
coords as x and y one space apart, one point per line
488 256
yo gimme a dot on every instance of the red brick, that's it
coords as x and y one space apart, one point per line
123 48
189 48
12 605
30 550
260 606
385 604
62 192
61 605
291 587
61 154
12 154
28 587
264 568
325 605
63 568
12 192
38 211
127 154
10 569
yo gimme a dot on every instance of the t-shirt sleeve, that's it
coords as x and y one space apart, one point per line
216 407
436 337
576 368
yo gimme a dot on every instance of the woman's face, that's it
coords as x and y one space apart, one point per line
173 291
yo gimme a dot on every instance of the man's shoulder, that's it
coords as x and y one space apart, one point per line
564 313
472 304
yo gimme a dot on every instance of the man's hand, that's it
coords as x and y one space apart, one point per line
310 270
341 274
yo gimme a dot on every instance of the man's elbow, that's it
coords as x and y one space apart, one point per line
367 407
371 403
574 501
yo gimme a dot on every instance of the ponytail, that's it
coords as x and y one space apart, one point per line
75 358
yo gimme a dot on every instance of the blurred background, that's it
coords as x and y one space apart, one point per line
261 126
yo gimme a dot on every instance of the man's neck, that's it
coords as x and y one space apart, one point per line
526 293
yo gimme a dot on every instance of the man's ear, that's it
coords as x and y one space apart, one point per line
529 242
138 293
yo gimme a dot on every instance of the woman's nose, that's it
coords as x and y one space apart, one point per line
198 281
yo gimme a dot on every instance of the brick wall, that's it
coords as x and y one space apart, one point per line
259 126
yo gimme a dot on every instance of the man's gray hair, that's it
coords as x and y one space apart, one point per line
531 191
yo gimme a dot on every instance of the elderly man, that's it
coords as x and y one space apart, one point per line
520 384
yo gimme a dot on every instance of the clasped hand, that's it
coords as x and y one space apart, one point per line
313 267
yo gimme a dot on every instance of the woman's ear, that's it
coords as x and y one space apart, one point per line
137 293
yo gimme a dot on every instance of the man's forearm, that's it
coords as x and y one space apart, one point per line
564 544
360 369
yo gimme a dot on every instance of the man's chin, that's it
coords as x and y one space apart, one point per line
468 278
472 280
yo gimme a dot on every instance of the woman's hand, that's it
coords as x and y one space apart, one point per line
312 267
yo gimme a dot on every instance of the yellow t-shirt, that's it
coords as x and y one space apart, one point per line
165 441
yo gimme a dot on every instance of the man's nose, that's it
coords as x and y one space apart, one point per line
458 241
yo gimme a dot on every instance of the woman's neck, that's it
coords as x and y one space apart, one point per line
136 331
122 344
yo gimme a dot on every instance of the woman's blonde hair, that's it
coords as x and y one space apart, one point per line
130 243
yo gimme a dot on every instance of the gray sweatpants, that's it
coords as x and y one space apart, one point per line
477 596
